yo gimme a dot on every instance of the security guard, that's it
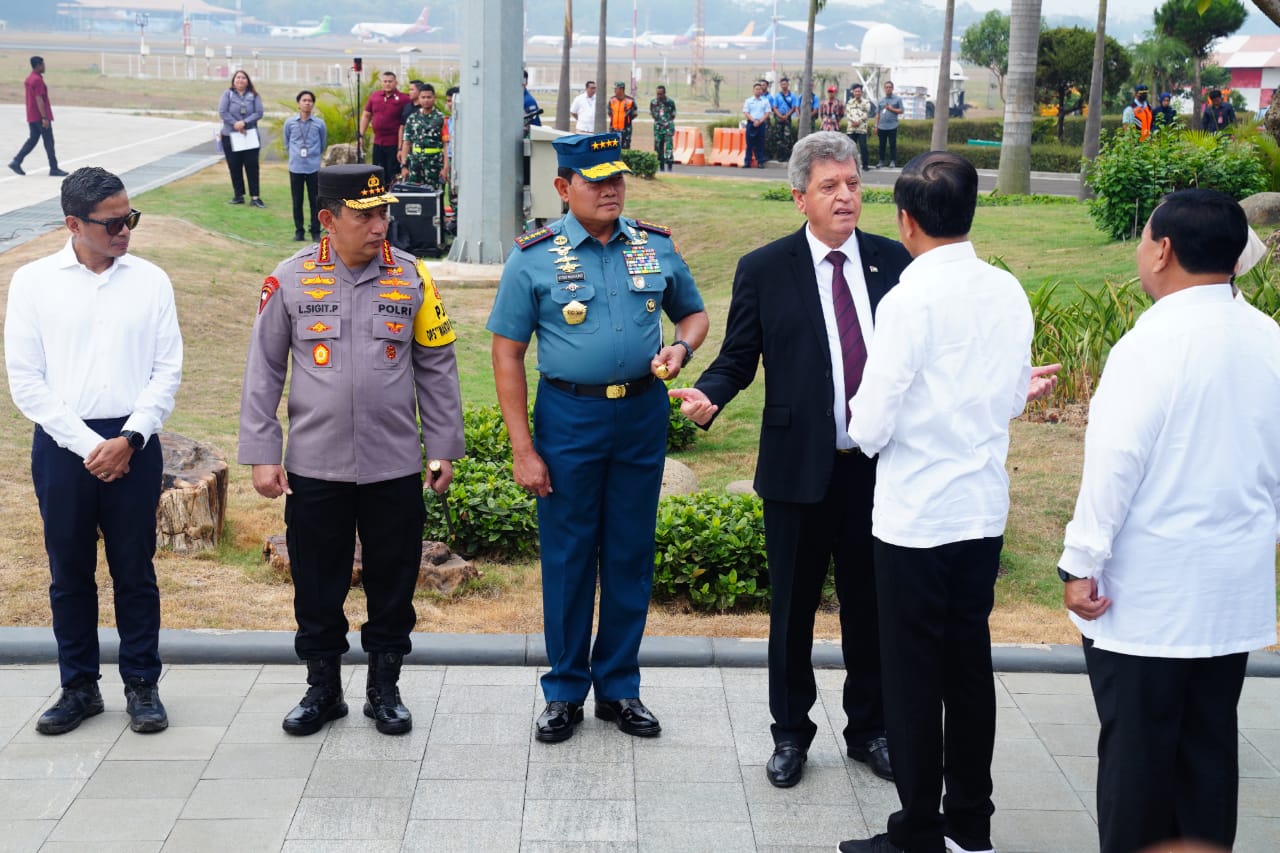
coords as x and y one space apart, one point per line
593 286
372 352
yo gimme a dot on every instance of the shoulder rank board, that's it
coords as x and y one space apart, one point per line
656 229
529 238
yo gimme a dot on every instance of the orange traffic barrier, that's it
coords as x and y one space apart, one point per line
682 145
698 158
735 143
722 146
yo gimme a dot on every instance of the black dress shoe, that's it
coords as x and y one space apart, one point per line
58 173
631 715
256 202
315 236
146 711
299 236
323 700
79 701
786 765
382 694
16 167
237 200
556 722
875 844
875 754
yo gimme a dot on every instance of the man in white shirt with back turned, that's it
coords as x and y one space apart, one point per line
94 357
1169 564
948 367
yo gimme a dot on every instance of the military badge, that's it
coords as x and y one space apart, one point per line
637 281
394 296
320 279
529 238
390 352
326 251
651 306
317 293
574 313
318 327
269 286
388 259
394 328
394 282
641 260
308 265
320 355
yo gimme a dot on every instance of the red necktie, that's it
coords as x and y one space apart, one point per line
852 345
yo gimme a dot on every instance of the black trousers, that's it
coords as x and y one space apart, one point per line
801 541
388 157
1168 765
38 132
311 183
890 137
241 165
935 648
860 139
75 505
755 144
321 521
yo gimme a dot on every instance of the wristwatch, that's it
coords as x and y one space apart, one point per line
1066 578
688 351
136 439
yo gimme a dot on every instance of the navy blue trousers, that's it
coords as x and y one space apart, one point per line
605 458
75 505
755 144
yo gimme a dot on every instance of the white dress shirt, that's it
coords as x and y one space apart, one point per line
80 346
947 369
1179 500
584 107
861 300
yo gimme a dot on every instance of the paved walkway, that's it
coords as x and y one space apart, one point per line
470 777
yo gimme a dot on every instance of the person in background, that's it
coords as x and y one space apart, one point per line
383 110
583 109
531 109
1218 115
890 111
305 138
622 111
1165 114
785 105
859 111
663 110
1137 114
756 109
240 109
423 153
39 121
830 111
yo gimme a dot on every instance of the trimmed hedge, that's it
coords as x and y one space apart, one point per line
710 550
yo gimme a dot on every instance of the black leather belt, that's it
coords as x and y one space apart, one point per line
611 392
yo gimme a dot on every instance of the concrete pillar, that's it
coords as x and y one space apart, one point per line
489 147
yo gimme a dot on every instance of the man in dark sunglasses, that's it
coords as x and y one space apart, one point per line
94 356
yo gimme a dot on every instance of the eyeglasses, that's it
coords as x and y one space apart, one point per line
116 224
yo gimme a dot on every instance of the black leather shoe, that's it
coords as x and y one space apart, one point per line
323 701
256 202
146 711
631 715
17 168
58 173
382 695
875 754
79 701
315 236
786 765
557 721
876 844
299 236
237 200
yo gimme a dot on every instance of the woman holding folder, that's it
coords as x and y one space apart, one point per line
240 110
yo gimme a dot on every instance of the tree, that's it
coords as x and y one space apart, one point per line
563 95
1065 65
1197 28
942 98
1093 123
806 81
986 43
1162 61
1015 152
1270 8
603 91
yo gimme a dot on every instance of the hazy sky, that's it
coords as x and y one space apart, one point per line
1116 9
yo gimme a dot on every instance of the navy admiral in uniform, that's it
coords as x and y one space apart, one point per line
593 286
372 352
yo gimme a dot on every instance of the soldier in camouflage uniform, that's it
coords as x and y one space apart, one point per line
423 153
663 110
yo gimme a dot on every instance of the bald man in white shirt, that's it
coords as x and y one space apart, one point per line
1169 562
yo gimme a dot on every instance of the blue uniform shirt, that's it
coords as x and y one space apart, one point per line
757 108
622 285
310 136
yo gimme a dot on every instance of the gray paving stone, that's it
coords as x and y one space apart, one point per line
480 729
23 836
362 778
482 699
267 697
499 800
695 764
1034 791
50 759
243 835
1049 684
876 803
228 799
38 799
1075 708
132 780
1259 797
1022 755
1067 738
258 728
577 847
365 741
1081 773
1253 763
580 781
677 801
451 761
695 836
1258 833
1033 831
1012 723
17 713
263 761
41 682
594 742
462 836
1003 699
96 821
187 711
363 845
579 820
1266 741
105 728
177 743
102 847
806 824
821 785
679 676
345 818
683 699
208 681
745 685
684 729
490 676
829 679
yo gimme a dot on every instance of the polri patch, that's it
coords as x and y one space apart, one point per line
321 355
317 293
394 296
269 287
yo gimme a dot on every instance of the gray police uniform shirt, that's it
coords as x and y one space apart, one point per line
557 271
368 361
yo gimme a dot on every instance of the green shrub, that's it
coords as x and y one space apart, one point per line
1261 286
643 164
491 515
486 435
681 432
710 550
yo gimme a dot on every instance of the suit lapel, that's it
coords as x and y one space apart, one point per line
872 270
803 274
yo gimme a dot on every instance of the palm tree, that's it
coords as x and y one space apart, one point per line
603 90
1093 122
563 96
806 82
942 98
1015 152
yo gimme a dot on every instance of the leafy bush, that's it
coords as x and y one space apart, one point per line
1261 286
710 549
681 432
491 515
1130 176
486 435
643 164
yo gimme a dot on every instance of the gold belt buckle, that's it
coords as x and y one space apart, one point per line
615 392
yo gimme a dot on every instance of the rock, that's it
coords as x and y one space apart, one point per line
741 487
1271 118
677 479
193 497
1262 208
340 154
1272 240
440 570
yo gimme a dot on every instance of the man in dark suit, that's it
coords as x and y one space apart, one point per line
805 304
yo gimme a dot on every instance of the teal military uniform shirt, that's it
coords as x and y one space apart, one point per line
624 286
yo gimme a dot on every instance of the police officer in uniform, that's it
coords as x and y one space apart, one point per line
372 353
593 286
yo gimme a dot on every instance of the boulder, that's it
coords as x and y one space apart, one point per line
1271 118
340 154
439 570
193 496
677 479
741 487
1262 208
